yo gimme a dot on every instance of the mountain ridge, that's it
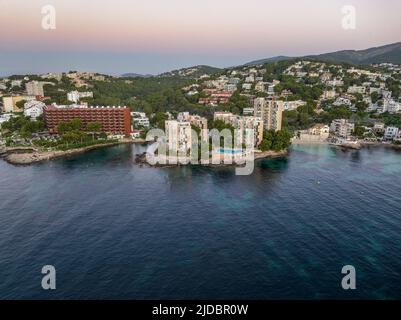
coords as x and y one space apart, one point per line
390 53
135 75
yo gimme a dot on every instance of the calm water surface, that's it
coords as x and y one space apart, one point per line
114 229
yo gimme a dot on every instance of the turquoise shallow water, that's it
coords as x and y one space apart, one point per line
114 230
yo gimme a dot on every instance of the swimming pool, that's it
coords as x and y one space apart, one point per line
229 151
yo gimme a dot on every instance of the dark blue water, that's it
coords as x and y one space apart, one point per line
113 229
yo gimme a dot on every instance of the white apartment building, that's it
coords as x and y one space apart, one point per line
321 130
246 127
217 84
270 89
357 89
335 83
342 128
293 105
329 94
248 130
16 83
248 111
223 116
234 81
75 96
179 136
183 116
247 86
365 72
33 109
250 78
270 114
270 111
391 133
340 101
5 117
260 86
197 121
139 119
230 87
391 106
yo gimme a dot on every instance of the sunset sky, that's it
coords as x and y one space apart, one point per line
152 36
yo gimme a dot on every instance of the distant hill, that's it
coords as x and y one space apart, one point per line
136 75
389 53
269 60
192 72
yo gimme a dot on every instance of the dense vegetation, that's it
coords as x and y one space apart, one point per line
275 140
74 131
22 126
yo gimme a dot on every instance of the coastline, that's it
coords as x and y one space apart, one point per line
309 142
17 156
383 145
258 155
271 154
362 144
13 155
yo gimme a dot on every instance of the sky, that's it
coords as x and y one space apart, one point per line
154 36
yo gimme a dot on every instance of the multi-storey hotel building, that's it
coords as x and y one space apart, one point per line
113 120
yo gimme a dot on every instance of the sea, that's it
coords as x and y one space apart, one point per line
113 229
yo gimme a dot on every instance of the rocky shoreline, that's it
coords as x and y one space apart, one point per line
397 147
31 155
271 154
141 159
17 156
360 145
379 144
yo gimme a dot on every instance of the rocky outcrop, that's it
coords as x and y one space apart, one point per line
18 157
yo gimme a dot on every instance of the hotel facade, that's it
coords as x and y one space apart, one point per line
113 120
